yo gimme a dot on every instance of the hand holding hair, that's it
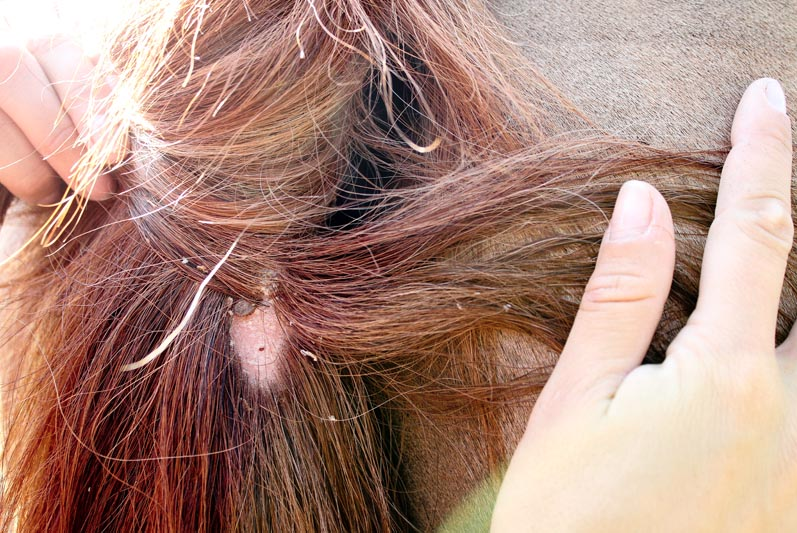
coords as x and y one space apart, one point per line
46 119
706 441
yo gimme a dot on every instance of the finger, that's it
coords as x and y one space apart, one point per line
622 303
750 238
22 170
71 73
28 98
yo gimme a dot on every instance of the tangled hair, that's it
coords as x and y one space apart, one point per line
402 188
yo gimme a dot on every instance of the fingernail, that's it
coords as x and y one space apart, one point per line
632 212
775 96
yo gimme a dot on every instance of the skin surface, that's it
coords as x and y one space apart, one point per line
668 74
709 433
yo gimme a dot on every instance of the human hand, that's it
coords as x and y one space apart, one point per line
706 441
45 92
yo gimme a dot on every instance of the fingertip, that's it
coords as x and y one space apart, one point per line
647 237
776 98
623 300
662 217
762 112
50 197
639 211
633 212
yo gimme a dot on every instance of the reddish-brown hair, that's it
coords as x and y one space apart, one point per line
404 188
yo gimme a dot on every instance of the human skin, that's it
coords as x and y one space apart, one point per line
41 144
669 74
704 442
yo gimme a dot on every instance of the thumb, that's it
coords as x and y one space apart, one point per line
621 305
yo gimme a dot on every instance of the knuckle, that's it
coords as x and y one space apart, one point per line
743 384
747 388
616 288
767 220
749 378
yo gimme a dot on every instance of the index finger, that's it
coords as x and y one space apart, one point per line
749 242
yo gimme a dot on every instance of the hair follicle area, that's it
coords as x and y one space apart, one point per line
257 338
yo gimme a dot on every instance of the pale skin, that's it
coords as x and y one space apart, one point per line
704 442
45 91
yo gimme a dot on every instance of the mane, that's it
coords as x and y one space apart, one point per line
404 190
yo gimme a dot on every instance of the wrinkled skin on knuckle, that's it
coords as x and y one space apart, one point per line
741 387
767 221
617 288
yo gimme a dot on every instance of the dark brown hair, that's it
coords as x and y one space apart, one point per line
401 186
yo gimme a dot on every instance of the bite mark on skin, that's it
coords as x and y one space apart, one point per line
257 339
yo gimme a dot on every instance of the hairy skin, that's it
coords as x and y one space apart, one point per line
667 74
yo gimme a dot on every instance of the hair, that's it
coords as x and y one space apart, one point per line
394 179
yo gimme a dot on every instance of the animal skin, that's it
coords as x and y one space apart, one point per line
666 73
669 74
